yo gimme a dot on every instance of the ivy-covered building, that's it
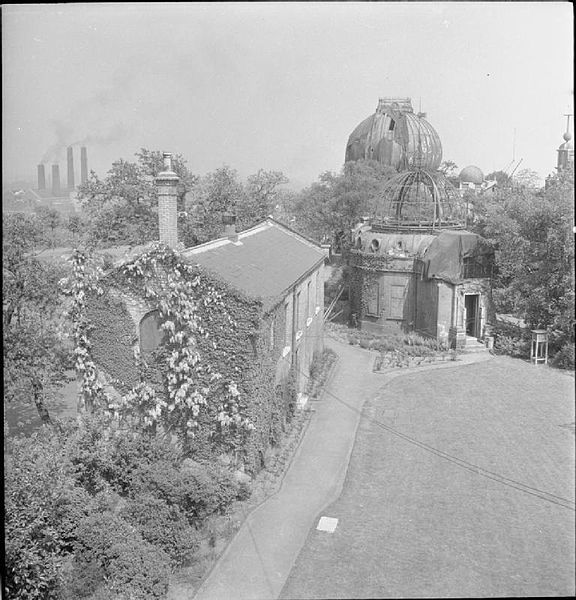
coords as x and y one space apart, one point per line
224 333
414 267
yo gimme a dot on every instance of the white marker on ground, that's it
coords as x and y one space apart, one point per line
327 524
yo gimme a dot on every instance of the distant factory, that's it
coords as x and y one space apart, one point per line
49 191
56 190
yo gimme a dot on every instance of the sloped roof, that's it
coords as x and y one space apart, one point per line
265 261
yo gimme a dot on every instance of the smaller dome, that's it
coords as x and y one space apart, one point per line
471 174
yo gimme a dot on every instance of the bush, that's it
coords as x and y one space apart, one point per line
37 487
197 489
113 561
564 358
163 526
104 455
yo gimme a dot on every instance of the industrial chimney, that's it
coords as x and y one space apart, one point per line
55 180
70 168
83 165
41 178
167 186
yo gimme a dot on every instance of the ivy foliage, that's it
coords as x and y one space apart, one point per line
186 304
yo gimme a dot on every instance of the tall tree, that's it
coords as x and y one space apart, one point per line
532 233
222 191
36 355
122 207
337 201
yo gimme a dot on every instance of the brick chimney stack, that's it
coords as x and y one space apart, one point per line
70 168
41 178
55 180
83 165
167 186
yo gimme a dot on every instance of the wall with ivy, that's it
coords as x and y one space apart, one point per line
241 342
113 335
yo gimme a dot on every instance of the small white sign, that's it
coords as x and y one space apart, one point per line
328 524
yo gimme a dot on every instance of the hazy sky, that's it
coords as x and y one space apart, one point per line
281 86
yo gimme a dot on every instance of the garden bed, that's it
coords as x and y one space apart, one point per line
396 351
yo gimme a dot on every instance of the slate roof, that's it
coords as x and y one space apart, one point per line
266 261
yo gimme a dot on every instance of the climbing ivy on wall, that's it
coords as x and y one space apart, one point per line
186 304
212 379
83 282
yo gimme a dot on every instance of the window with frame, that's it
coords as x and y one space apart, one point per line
477 266
288 321
151 334
298 313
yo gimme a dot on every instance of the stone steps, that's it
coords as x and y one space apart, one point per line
473 345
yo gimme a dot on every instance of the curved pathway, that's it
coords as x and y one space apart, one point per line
259 559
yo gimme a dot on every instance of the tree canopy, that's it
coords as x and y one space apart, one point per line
36 354
122 207
337 201
532 233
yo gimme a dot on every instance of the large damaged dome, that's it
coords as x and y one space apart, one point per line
395 136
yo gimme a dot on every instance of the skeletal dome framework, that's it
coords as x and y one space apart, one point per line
397 137
419 199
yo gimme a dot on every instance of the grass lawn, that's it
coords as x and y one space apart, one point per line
413 524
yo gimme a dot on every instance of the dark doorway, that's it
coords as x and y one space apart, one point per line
471 303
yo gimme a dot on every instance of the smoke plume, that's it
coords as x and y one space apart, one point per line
98 120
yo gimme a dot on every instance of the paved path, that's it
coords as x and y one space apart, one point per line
259 559
436 501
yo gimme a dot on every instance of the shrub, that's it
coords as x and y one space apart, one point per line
564 358
197 489
511 345
37 482
112 560
163 526
104 455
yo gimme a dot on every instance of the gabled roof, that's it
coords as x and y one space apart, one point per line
264 262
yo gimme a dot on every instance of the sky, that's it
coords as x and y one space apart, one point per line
280 86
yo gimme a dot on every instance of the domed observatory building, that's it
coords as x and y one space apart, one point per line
414 267
396 137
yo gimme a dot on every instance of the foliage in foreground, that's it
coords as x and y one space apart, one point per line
94 511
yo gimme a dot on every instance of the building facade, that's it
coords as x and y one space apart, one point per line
413 265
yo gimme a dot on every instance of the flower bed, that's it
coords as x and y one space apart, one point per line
395 351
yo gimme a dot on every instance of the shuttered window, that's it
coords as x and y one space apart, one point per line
396 302
373 299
